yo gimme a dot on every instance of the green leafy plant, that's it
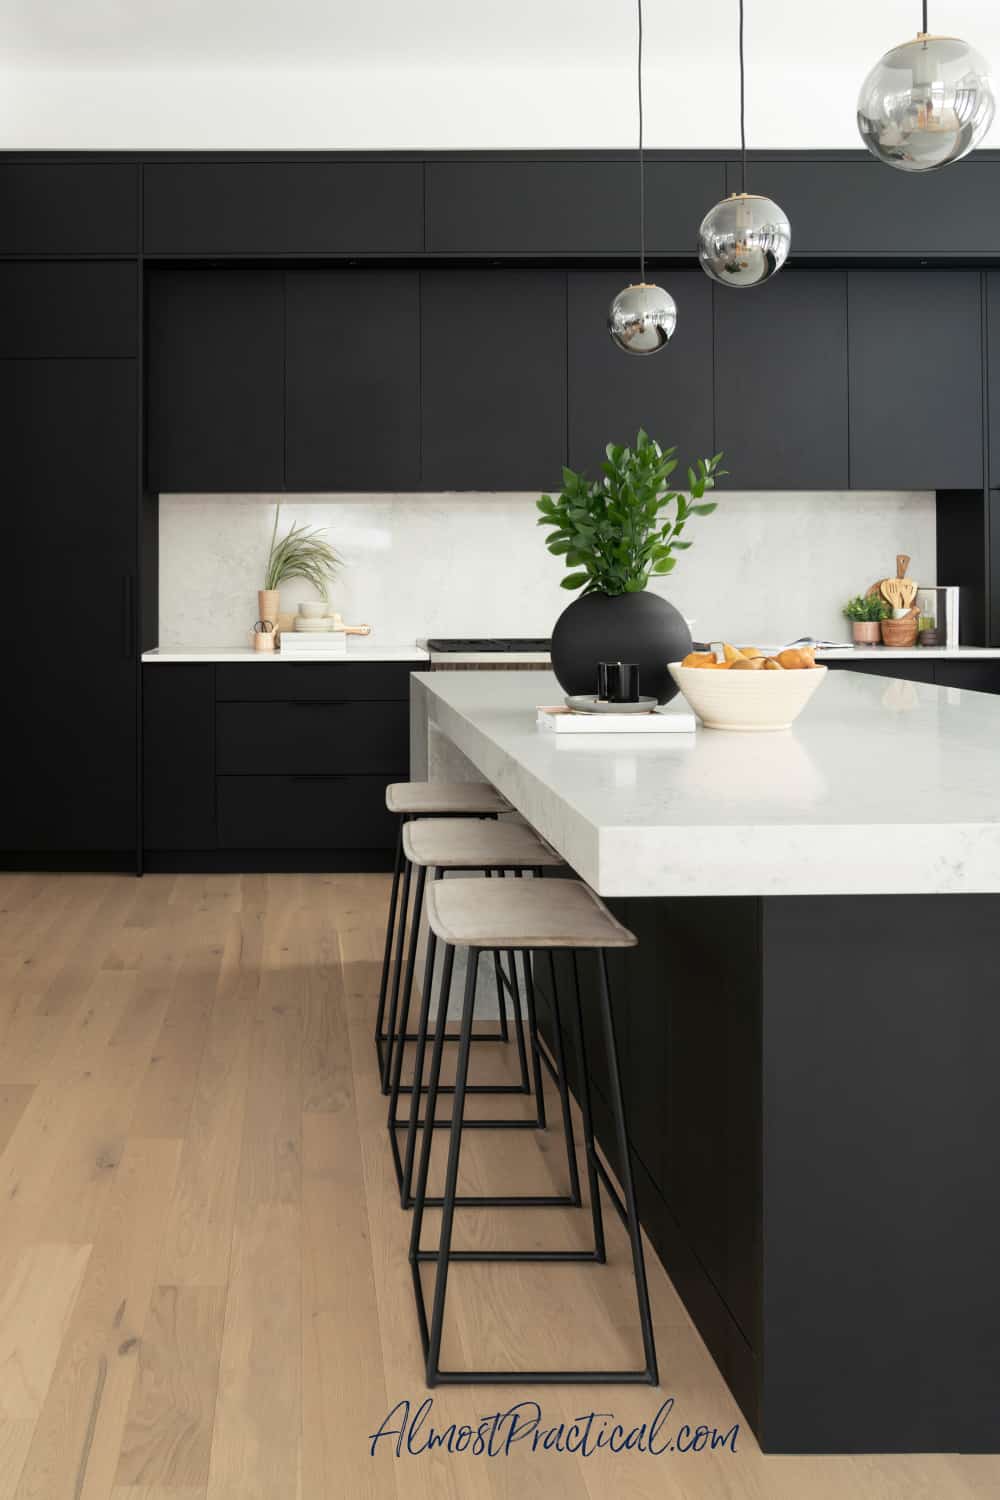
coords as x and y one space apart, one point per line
867 608
616 532
301 553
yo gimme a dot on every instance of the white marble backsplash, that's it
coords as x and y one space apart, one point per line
763 567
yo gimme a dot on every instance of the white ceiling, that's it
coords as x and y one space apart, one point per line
436 73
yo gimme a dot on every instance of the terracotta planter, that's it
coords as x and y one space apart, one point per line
866 632
268 604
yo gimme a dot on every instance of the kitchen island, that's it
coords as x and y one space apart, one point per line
810 1029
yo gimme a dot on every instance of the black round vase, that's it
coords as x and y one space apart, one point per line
640 628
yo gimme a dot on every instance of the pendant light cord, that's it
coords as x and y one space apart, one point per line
743 112
925 17
642 167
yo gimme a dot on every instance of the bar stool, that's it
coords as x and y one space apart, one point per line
466 844
425 799
539 917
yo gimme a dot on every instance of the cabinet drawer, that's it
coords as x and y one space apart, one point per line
270 208
302 812
62 309
311 735
270 682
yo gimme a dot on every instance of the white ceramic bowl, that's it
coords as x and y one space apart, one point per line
314 609
747 700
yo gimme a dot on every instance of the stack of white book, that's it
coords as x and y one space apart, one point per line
560 720
313 645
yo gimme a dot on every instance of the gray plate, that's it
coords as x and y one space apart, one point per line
586 703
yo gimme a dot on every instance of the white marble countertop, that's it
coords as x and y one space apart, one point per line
882 786
359 648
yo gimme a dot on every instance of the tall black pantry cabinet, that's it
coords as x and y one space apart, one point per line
69 424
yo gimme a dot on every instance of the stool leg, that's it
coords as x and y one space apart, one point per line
389 931
536 1051
404 1018
562 1081
406 1186
625 1168
590 1150
397 975
427 1139
451 1175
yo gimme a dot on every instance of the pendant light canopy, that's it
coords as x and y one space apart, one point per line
744 239
642 318
926 103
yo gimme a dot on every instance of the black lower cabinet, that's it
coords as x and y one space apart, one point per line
178 745
272 765
327 811
69 756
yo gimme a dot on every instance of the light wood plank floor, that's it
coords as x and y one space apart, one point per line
204 1292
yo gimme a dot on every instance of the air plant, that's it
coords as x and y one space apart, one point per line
301 553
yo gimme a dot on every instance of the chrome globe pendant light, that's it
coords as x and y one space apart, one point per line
642 318
926 103
744 239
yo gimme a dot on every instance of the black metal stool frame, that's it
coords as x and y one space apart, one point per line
403 1164
431 1331
382 1036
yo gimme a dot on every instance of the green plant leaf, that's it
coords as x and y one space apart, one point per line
706 509
574 580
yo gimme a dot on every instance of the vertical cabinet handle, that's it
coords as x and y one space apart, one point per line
128 617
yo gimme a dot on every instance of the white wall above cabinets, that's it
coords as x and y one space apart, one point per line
249 74
765 566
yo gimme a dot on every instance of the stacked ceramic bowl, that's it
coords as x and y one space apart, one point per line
314 618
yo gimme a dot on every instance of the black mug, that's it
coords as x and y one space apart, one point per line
617 682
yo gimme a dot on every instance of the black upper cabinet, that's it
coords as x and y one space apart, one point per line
352 385
566 208
68 431
781 382
916 383
845 208
64 309
279 208
216 380
993 350
69 208
493 358
612 395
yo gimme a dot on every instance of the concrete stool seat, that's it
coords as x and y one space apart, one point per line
471 844
523 914
428 799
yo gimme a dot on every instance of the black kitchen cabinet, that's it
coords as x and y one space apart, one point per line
352 383
67 309
993 363
283 208
68 432
858 207
216 380
493 362
612 395
567 208
309 736
69 208
916 380
781 382
178 752
321 812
